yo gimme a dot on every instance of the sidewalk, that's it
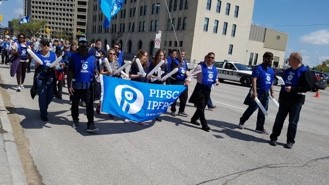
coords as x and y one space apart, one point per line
11 170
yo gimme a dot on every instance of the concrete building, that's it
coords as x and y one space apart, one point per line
221 26
64 17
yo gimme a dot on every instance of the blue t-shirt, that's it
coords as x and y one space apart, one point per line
265 77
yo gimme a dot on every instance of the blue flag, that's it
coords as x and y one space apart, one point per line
137 101
24 20
110 8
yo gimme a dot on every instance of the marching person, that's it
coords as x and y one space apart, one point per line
298 81
59 73
262 83
180 78
44 78
82 68
206 77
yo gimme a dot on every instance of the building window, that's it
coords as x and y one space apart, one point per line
233 30
208 7
173 24
184 23
181 4
256 59
175 5
228 7
215 26
236 11
219 4
168 24
230 49
186 4
205 24
251 56
180 43
170 5
224 28
179 23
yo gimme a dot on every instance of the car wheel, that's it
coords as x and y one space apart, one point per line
245 81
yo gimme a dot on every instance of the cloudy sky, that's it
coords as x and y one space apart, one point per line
306 22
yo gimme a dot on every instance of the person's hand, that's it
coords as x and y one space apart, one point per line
288 88
71 90
254 95
217 83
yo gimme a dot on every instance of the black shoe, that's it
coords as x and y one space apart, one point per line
182 114
195 122
288 145
158 119
211 108
262 131
75 124
173 114
206 129
273 142
92 128
44 118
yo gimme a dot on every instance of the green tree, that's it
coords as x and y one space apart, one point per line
30 29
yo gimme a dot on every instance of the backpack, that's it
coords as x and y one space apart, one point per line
320 81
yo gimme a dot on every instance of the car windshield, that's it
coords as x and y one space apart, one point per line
242 67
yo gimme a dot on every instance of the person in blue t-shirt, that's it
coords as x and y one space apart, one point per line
44 78
262 88
82 68
298 80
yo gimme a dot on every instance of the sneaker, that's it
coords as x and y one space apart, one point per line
241 126
83 104
44 118
262 131
211 108
22 86
126 121
92 128
18 89
288 145
206 128
158 119
173 114
273 142
182 114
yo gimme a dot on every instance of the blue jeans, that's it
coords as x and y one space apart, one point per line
293 109
263 98
46 95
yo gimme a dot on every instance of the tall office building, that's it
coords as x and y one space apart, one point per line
63 17
197 26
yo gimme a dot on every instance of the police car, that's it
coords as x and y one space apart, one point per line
234 71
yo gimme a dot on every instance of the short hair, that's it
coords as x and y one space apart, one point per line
210 53
297 56
44 42
98 40
268 54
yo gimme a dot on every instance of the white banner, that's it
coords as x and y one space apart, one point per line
157 40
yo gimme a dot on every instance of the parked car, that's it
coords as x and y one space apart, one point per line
233 71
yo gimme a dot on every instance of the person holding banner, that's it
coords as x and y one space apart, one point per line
159 71
262 85
207 76
139 67
82 68
44 78
298 80
119 54
180 78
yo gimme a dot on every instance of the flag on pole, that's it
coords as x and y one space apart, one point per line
137 101
24 20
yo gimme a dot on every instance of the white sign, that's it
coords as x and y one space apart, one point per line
157 40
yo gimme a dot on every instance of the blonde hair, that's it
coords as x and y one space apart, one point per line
296 56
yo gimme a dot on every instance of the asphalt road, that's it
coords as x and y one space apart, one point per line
173 151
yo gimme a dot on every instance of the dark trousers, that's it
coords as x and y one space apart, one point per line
182 99
87 95
263 98
202 94
46 95
58 90
21 73
293 109
4 56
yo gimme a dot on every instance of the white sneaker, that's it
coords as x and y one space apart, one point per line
126 121
22 86
18 89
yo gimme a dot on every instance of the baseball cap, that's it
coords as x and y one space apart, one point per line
83 39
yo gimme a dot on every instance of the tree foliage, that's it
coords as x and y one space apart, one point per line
324 67
30 29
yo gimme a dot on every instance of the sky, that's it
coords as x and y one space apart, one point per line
306 23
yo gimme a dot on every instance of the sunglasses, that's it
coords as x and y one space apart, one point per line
211 57
111 53
116 47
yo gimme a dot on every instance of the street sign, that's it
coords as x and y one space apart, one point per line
157 40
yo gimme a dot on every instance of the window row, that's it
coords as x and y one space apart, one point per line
219 6
52 13
173 5
216 26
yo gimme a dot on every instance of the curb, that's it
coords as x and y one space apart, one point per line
14 162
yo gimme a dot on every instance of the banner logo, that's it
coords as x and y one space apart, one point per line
129 99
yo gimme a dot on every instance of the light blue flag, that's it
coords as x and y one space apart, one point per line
137 101
110 8
24 20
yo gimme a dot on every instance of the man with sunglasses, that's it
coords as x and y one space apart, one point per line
262 88
82 68
206 78
119 53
